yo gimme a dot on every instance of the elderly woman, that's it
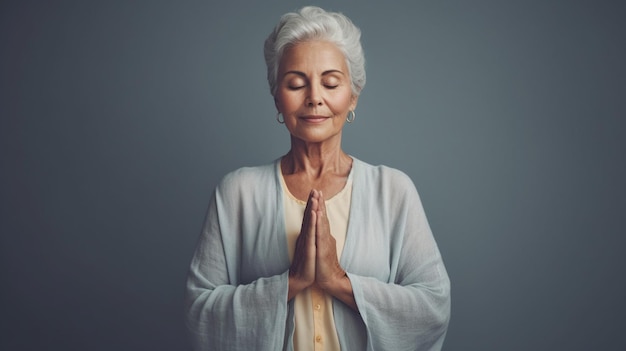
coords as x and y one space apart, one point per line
317 250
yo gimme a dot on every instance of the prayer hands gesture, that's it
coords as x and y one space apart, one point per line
315 258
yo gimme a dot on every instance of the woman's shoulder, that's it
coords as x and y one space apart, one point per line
249 178
382 182
381 173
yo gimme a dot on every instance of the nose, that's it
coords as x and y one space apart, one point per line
314 98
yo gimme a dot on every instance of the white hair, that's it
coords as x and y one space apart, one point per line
313 23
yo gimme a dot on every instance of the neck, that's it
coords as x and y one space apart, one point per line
315 159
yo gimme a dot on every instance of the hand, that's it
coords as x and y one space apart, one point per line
328 271
315 257
302 270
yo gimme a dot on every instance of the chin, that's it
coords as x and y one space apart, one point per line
316 137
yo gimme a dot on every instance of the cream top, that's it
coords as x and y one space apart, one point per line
314 321
238 280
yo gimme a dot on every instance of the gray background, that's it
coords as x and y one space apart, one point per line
119 117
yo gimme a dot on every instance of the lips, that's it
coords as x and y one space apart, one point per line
314 119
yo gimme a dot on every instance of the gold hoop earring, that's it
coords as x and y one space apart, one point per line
351 116
278 118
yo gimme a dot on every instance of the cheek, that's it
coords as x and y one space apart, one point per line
344 101
286 101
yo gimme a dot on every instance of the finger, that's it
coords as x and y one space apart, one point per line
310 206
309 203
322 227
322 202
312 229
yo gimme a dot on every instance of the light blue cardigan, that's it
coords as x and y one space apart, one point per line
238 279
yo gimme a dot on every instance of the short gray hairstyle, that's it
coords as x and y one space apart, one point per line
313 23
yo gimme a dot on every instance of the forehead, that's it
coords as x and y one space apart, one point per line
313 57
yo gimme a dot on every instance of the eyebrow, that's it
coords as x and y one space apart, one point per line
299 73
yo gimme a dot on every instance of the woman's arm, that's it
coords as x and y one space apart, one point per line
398 279
222 313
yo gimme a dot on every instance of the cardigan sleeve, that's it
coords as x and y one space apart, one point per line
410 309
222 311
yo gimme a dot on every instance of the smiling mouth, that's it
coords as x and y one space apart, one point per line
314 119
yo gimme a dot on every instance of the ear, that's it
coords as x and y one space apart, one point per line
276 104
353 102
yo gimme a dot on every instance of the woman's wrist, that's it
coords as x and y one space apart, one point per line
341 289
295 287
